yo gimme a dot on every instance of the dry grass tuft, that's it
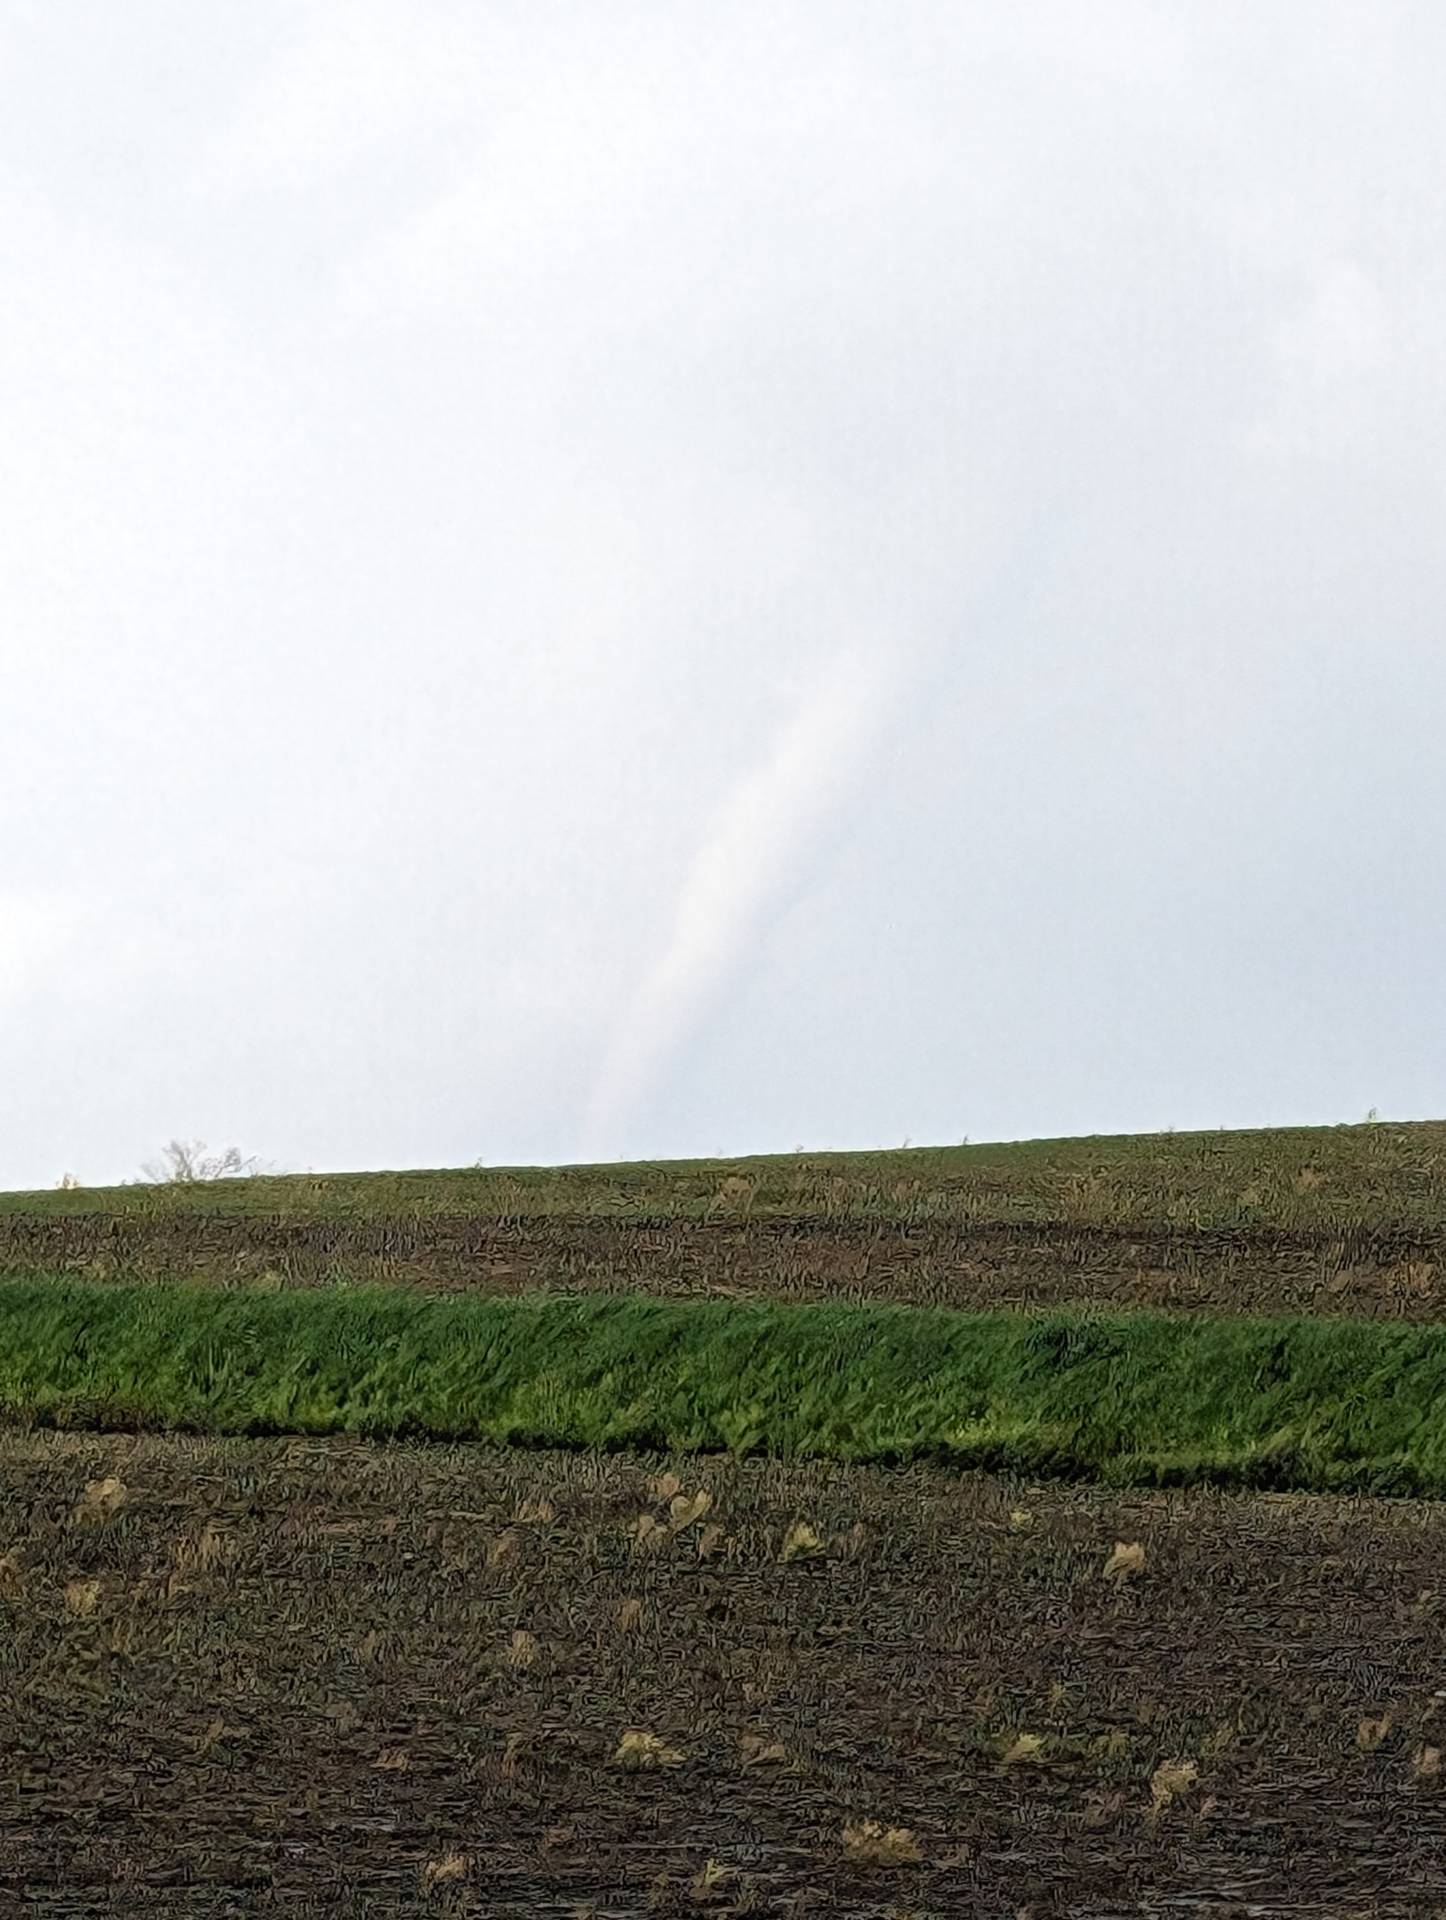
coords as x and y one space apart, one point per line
1126 1561
1026 1749
1370 1733
213 1547
733 1191
101 1501
663 1487
1169 1780
1417 1277
872 1844
1426 1763
800 1541
535 1513
649 1533
1021 1519
82 1597
640 1749
683 1512
12 1575
710 1878
710 1541
446 1871
525 1650
630 1614
392 1760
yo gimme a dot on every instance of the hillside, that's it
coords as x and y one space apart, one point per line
1348 1219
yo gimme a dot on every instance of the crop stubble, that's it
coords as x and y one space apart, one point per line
1378 1273
249 1676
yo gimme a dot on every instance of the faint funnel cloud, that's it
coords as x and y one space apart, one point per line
758 842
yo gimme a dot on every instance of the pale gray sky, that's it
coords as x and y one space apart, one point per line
638 579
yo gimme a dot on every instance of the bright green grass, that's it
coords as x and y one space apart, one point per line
1382 1175
1152 1398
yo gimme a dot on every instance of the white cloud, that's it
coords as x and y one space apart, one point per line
358 76
68 949
1341 329
145 449
37 932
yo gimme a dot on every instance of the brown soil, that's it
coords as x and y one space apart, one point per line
317 1678
1383 1273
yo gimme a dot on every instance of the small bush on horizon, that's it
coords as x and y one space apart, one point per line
186 1161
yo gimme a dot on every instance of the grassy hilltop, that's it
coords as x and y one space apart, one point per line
1375 1174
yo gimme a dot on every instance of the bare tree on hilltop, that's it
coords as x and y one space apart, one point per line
186 1161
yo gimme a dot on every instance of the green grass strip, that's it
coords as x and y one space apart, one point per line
1125 1398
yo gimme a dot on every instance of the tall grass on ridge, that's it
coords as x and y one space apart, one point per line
1139 1397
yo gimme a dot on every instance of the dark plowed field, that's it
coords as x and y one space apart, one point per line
1378 1273
321 1678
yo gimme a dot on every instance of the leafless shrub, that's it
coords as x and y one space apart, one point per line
187 1161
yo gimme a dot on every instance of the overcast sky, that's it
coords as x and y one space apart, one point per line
633 580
